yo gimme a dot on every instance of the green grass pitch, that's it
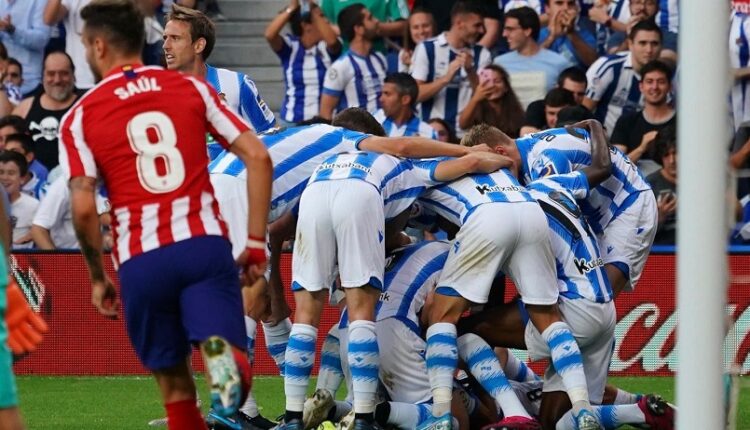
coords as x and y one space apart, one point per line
93 403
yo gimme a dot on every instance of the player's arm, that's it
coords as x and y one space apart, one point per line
89 234
415 147
251 151
475 162
601 162
280 230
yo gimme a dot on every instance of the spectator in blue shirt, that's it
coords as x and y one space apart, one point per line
24 34
564 36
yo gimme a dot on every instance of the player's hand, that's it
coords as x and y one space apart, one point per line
587 124
25 327
253 259
406 56
491 162
482 147
104 298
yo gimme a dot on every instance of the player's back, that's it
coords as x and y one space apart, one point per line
399 181
150 151
563 150
455 201
580 268
295 153
410 274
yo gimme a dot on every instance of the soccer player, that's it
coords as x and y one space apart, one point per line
585 297
189 38
343 217
519 246
398 102
179 283
621 210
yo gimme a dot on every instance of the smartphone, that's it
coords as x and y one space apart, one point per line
485 75
666 194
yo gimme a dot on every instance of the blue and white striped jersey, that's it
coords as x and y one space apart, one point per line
295 153
356 80
400 181
556 151
455 201
413 127
304 71
580 268
739 57
668 17
613 84
410 274
430 60
241 95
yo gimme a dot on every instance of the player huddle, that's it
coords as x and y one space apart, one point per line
565 216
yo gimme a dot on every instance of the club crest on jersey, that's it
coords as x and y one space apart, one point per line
141 85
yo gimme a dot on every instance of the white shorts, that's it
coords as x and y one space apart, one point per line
593 326
231 194
339 221
512 237
403 369
627 239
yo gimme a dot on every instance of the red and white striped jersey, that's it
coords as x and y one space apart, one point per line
143 131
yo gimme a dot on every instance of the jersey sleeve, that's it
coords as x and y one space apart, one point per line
337 77
254 109
420 64
286 48
223 124
76 157
426 170
599 79
354 136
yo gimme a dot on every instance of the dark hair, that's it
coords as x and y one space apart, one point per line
15 157
557 97
27 143
466 8
574 73
657 66
665 140
408 41
296 20
3 52
16 63
350 17
527 18
317 119
201 26
572 114
406 84
15 121
645 25
119 21
452 138
58 52
509 119
358 119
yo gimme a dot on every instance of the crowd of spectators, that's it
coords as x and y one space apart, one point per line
431 68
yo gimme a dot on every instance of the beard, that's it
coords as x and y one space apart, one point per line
59 93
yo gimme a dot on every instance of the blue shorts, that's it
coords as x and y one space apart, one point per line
180 295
